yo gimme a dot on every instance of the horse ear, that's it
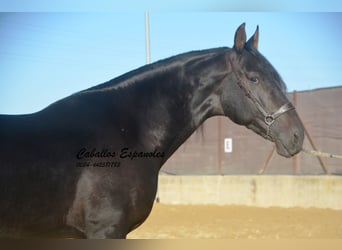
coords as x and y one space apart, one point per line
254 40
240 38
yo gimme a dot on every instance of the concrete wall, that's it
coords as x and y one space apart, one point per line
252 190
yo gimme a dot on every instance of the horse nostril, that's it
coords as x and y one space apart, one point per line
296 137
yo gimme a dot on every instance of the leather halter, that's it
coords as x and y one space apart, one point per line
269 118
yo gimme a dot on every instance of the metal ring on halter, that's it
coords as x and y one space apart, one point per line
269 120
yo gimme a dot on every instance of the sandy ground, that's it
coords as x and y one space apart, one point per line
238 222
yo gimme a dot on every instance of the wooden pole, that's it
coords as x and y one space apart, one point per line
324 167
321 162
263 169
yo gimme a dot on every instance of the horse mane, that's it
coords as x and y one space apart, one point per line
152 69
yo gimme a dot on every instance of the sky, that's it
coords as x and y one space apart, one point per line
50 55
171 5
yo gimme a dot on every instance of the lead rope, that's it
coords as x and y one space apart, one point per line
321 154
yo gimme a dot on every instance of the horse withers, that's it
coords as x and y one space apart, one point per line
87 165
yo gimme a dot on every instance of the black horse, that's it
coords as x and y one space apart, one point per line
87 165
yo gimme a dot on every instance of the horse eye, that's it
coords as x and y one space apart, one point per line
254 79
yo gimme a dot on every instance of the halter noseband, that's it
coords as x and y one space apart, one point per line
269 118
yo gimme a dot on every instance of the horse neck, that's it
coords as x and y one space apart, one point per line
164 103
190 96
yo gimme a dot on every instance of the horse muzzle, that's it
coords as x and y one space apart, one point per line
290 141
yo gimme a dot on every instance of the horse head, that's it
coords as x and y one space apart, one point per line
254 95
